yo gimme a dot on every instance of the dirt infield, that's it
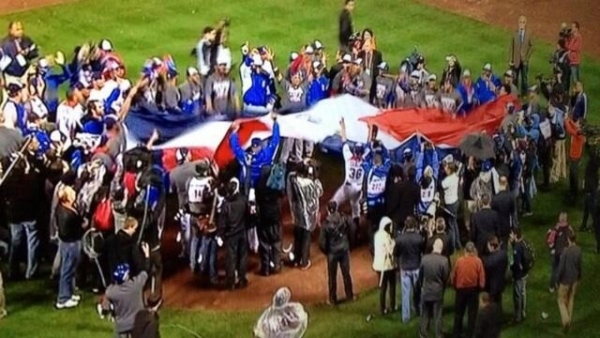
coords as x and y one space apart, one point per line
12 6
544 16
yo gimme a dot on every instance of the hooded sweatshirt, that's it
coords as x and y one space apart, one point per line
383 258
333 238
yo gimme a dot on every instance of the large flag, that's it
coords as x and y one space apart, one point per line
438 126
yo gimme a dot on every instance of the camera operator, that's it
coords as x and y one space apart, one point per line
573 44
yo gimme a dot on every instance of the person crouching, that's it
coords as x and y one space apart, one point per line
231 231
124 298
306 191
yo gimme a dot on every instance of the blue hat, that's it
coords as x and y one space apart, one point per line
256 142
487 166
121 272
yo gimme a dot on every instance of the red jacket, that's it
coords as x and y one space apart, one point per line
577 140
574 47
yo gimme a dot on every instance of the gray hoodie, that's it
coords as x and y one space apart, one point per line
127 300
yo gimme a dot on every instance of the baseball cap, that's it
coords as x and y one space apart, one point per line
256 141
415 74
96 76
257 61
262 50
508 73
293 56
43 63
191 71
487 66
533 88
347 58
467 73
318 45
432 77
120 273
222 59
316 64
358 61
407 151
309 49
14 87
383 65
448 159
106 45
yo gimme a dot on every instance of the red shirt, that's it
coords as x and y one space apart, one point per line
468 273
574 47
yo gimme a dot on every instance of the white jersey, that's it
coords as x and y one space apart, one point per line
355 173
198 188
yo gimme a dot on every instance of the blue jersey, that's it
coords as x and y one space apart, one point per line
259 93
483 92
53 83
317 90
376 178
254 162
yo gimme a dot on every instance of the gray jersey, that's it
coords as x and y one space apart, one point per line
294 97
383 89
171 97
430 98
450 102
220 91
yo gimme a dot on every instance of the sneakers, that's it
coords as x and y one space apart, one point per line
66 305
77 298
200 259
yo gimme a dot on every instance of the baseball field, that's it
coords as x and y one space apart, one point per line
476 31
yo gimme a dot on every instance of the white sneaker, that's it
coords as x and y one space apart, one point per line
76 298
200 259
67 305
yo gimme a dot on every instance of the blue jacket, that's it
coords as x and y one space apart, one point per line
317 90
255 162
42 138
580 107
53 83
464 94
483 93
9 48
534 132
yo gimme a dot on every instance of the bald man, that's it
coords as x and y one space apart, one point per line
434 275
521 47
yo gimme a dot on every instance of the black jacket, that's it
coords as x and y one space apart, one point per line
69 224
233 216
122 249
489 322
409 248
334 237
495 265
23 192
268 201
405 197
504 204
484 224
518 268
346 29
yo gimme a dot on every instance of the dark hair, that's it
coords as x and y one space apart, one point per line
207 30
507 89
493 242
410 223
562 43
486 199
576 23
517 232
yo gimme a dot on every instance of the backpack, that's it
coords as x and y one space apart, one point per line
276 180
528 256
103 216
151 184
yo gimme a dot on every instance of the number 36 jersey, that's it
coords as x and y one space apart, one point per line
355 173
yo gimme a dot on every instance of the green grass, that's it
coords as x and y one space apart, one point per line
141 29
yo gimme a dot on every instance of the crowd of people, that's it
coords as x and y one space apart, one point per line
100 209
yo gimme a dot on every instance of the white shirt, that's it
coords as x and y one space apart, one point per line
354 171
68 118
38 107
10 115
450 186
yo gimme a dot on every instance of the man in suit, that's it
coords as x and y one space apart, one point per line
371 58
18 51
346 29
521 47
485 223
505 205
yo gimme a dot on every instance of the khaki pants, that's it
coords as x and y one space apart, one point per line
559 163
2 299
566 297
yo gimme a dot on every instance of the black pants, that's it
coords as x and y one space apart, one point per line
388 280
269 246
155 280
545 159
343 260
301 246
236 258
596 222
573 178
588 208
431 311
466 300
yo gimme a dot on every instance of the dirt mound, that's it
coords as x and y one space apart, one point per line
12 6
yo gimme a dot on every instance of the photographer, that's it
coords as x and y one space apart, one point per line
573 44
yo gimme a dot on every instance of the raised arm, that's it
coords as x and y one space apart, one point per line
234 143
